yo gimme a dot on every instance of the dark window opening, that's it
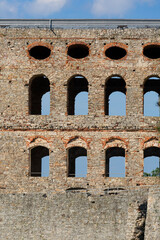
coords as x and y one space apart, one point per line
151 162
39 52
76 85
78 51
152 51
152 97
115 53
115 96
115 162
77 162
38 86
39 161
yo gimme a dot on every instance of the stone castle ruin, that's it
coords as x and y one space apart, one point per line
65 58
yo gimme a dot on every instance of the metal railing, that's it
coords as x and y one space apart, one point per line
80 23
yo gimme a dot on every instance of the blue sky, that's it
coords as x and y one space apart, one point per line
144 9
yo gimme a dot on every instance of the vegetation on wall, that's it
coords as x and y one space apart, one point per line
154 173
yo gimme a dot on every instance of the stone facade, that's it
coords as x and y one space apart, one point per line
58 206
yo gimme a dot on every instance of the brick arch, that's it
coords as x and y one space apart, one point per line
116 44
78 43
115 142
150 142
43 44
38 141
77 141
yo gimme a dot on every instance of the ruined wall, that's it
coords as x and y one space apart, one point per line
40 208
96 131
76 214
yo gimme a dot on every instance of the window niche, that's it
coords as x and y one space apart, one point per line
39 160
77 162
115 162
115 53
115 96
152 51
151 93
38 87
77 100
78 51
39 52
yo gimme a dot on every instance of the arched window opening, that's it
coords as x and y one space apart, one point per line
152 97
77 162
77 84
115 162
115 96
40 52
115 53
38 86
78 51
39 158
81 103
152 51
151 162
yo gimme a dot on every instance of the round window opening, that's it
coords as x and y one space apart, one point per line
78 51
39 52
152 51
115 53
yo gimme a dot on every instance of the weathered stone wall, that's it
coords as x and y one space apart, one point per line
153 215
96 131
40 208
72 215
116 214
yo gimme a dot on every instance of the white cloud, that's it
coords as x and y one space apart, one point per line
44 7
111 8
30 8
